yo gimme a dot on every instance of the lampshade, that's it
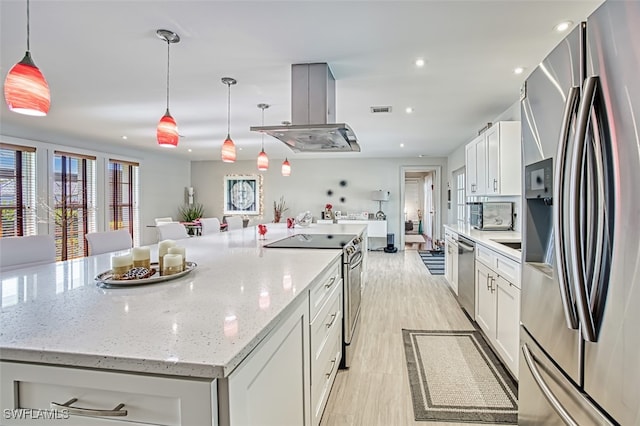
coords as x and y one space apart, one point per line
286 168
263 161
228 150
26 90
167 132
380 195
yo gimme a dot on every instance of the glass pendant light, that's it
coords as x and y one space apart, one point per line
228 147
286 167
167 132
263 160
25 89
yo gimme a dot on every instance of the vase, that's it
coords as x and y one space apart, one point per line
328 214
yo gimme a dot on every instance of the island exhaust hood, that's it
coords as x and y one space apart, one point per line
313 101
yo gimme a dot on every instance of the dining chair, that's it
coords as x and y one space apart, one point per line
210 225
105 242
18 252
171 231
234 222
160 220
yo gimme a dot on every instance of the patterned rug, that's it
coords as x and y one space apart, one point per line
455 377
434 261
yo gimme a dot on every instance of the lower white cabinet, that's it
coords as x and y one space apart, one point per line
27 392
498 304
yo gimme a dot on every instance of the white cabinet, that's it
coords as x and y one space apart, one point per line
375 228
503 158
451 260
498 303
508 322
146 399
476 166
493 161
485 300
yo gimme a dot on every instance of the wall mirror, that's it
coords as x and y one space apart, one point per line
243 194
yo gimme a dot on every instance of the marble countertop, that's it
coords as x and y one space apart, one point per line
488 239
200 325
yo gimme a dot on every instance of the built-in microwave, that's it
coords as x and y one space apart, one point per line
491 215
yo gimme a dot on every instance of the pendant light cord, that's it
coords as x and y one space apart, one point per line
228 109
262 132
168 51
28 43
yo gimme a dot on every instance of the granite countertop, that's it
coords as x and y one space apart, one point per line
487 239
200 325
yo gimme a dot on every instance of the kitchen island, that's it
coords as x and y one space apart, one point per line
198 329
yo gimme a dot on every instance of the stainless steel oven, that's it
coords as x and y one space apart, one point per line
352 274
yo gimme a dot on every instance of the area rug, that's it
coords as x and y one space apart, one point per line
454 377
433 261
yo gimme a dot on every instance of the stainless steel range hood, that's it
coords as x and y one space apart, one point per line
313 101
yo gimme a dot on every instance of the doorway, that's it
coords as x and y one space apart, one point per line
420 204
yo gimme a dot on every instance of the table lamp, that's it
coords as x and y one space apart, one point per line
380 196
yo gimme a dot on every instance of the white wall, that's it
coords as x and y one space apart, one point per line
163 179
306 188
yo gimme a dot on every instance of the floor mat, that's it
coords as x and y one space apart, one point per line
455 377
434 261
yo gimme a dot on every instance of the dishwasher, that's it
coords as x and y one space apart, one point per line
466 276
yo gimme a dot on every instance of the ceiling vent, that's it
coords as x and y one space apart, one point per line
380 109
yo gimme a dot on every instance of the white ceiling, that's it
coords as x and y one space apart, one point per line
107 69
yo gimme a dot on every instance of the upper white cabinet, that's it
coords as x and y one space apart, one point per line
493 161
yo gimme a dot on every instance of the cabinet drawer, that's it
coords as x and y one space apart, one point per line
323 287
323 373
146 399
485 255
508 268
329 317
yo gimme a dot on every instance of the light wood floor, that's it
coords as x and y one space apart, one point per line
400 293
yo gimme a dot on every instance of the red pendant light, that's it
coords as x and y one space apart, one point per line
263 160
228 152
286 167
25 89
167 131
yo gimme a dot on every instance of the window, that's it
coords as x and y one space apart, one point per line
17 190
460 196
74 195
123 197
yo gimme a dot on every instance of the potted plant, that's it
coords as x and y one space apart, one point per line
279 208
191 212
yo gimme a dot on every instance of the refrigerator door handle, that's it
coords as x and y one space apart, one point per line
548 394
566 295
578 265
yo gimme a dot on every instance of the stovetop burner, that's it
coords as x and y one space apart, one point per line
316 241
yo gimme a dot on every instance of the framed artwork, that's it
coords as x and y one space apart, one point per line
243 194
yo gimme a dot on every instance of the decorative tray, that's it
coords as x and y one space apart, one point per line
105 279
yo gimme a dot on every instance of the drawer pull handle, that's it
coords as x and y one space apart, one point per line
116 412
333 319
330 283
333 365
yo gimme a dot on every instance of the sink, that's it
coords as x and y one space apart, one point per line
513 244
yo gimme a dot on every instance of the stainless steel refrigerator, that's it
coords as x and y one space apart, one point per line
580 312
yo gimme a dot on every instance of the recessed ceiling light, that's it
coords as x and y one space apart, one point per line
518 70
401 145
124 137
563 26
419 62
189 150
240 148
408 110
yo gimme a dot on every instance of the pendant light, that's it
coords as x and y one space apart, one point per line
228 147
25 89
263 160
286 167
167 132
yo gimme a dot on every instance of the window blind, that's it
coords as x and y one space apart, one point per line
123 197
17 190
